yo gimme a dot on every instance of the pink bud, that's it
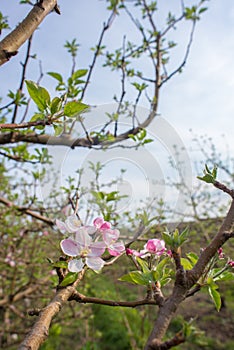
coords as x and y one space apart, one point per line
129 251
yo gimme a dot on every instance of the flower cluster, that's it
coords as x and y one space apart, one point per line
153 246
88 243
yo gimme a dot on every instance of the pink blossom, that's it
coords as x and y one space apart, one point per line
169 253
231 263
110 238
155 246
101 225
82 246
129 251
220 253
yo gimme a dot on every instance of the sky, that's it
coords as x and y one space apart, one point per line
200 99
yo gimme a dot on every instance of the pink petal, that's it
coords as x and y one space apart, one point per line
98 222
105 226
75 265
116 248
129 251
97 249
70 247
110 236
95 264
101 224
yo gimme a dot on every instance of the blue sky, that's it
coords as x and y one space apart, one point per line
201 98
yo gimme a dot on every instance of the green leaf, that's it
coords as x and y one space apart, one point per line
203 9
37 116
192 257
58 129
111 196
55 105
143 264
69 279
208 178
74 108
186 264
56 76
225 276
39 95
62 264
215 295
135 277
79 73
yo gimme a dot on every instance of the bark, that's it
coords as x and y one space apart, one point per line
10 45
185 280
40 330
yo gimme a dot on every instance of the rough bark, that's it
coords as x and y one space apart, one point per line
10 45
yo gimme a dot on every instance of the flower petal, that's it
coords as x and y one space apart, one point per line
75 265
82 237
101 224
97 249
70 247
72 222
110 236
95 264
98 222
116 248
61 226
90 230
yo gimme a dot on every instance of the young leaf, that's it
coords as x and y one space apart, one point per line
55 105
135 277
143 264
74 108
208 178
69 279
39 95
215 295
62 264
186 264
58 129
79 73
56 76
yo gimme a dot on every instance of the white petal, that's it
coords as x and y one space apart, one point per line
110 236
75 265
83 238
70 247
61 226
73 223
95 264
97 249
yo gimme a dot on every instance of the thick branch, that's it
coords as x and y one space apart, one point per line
222 236
40 330
13 41
184 282
45 139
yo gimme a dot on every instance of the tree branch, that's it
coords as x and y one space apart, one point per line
40 330
27 211
80 298
12 42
